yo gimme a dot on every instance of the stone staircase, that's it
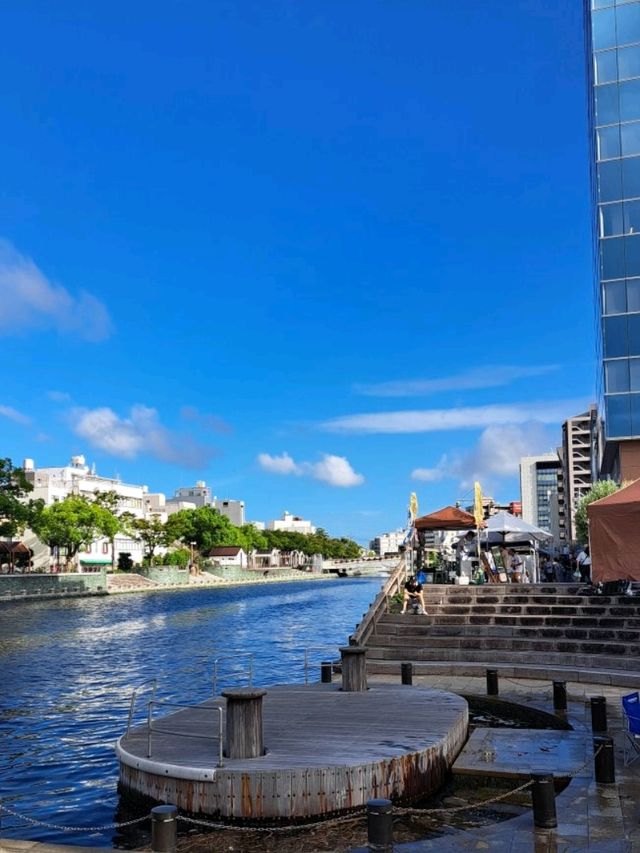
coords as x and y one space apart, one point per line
525 630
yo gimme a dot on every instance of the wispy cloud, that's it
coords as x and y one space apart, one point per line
14 415
59 396
496 455
208 421
141 433
480 377
29 300
333 470
465 417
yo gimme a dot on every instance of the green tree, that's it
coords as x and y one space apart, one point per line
71 524
152 533
601 489
205 527
110 502
16 511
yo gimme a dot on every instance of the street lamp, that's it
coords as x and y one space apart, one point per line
193 565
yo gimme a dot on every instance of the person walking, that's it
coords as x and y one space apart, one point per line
584 565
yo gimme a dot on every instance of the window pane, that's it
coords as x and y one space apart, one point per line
617 376
633 326
634 375
632 255
635 413
612 258
607 104
618 415
628 24
615 337
630 139
607 67
608 142
604 29
628 62
629 100
630 177
632 217
615 297
633 295
611 220
610 180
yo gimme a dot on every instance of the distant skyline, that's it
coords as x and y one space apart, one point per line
318 255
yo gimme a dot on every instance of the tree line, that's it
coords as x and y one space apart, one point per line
74 522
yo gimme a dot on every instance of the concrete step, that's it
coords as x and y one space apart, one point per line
525 644
392 633
583 609
493 656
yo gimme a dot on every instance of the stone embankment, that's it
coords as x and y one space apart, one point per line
526 630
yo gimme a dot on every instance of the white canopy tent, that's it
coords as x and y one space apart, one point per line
504 527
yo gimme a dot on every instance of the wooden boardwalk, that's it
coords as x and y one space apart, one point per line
327 751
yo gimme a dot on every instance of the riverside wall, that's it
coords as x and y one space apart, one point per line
18 587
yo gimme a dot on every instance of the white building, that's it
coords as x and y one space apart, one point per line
199 495
388 543
53 484
540 478
292 524
229 556
578 463
233 510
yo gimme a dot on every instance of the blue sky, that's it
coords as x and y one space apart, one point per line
317 254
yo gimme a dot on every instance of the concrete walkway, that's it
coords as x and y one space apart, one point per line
590 817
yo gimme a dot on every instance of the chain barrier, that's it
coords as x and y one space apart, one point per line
353 816
61 828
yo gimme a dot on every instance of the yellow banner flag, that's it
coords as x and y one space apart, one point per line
478 508
413 506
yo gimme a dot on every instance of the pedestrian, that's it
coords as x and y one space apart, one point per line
515 566
413 594
584 565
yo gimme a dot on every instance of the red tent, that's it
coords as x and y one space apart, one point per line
447 518
614 535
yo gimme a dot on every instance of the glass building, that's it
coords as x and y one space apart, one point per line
613 47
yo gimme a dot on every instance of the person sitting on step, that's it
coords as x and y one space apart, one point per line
413 594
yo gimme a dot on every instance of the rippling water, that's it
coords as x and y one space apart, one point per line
68 669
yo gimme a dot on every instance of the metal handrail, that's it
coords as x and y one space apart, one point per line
234 656
379 606
306 657
134 696
150 728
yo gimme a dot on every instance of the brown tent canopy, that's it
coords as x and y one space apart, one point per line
614 535
447 518
14 548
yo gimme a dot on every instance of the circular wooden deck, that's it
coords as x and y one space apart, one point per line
327 751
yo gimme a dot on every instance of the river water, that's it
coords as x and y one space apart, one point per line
68 669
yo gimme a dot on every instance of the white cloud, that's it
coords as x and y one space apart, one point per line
496 455
29 300
140 433
465 417
14 415
480 377
336 471
282 464
331 469
210 422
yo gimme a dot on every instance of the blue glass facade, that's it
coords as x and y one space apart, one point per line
613 38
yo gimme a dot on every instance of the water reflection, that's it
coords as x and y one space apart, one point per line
69 668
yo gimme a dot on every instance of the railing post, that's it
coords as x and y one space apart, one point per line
543 795
559 695
244 723
598 714
326 672
354 669
492 682
406 673
380 826
164 829
604 760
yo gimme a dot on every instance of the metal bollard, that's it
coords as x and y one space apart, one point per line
559 695
492 682
380 826
164 829
406 673
543 795
326 671
599 714
604 760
